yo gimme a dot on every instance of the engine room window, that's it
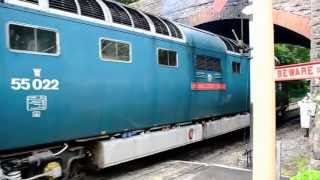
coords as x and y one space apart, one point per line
207 63
167 57
30 39
236 67
115 50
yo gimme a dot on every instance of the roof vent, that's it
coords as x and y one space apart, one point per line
31 1
175 31
138 19
91 8
64 5
119 15
159 25
230 44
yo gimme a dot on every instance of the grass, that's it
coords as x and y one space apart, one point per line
302 170
307 175
300 163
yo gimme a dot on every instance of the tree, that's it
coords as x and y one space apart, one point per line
127 1
291 54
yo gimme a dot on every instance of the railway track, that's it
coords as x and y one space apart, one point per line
292 112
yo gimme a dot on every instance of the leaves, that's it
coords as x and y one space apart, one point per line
291 54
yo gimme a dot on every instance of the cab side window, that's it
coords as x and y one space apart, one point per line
167 57
207 63
236 67
114 50
28 39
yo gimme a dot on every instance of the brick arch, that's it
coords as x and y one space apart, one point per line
293 22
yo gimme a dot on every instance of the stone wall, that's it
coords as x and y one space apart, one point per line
315 30
315 39
315 84
298 7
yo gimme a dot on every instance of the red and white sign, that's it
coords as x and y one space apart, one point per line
202 86
298 71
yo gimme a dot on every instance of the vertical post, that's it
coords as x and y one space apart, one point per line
263 90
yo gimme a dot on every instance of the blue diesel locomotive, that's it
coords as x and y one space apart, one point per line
77 75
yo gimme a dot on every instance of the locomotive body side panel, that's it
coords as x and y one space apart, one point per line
91 96
19 128
94 97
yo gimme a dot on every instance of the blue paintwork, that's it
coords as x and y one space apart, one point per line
97 96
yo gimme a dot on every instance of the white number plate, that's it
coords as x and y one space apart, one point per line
34 84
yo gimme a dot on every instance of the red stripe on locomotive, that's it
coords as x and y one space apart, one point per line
208 86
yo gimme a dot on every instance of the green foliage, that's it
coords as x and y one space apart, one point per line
292 54
297 164
304 173
307 175
301 163
127 1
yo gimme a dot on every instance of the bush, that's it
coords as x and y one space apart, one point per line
307 175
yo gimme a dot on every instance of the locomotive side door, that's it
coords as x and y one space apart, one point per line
237 94
208 84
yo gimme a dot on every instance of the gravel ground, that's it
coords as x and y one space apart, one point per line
225 150
295 150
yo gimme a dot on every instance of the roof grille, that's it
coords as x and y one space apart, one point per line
91 8
230 44
175 32
138 19
159 25
31 1
118 14
64 5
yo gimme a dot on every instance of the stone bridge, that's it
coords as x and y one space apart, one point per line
291 17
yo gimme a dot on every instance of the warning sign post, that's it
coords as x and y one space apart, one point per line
303 71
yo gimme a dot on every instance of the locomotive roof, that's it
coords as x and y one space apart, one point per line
107 12
115 14
202 39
